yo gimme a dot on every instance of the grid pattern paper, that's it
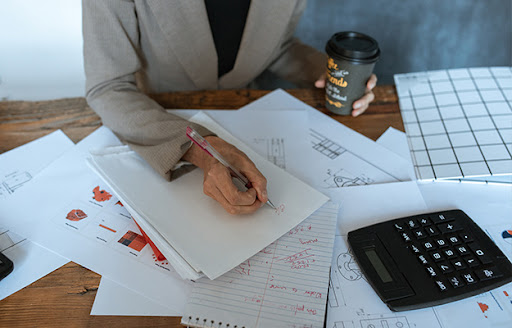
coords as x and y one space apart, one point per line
458 122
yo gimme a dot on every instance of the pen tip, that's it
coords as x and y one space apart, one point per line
270 204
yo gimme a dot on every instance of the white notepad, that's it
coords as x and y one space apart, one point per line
284 285
192 230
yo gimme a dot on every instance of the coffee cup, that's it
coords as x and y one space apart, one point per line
350 62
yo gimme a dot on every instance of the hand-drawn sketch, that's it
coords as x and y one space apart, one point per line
325 145
275 150
348 268
13 181
384 322
344 178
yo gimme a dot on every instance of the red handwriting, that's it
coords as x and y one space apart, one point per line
300 228
313 294
302 264
254 299
302 309
298 256
308 241
244 268
280 209
277 287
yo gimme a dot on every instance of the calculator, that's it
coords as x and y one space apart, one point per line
6 266
428 259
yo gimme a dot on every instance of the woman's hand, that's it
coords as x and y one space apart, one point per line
218 182
359 105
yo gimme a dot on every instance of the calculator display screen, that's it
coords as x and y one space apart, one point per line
378 265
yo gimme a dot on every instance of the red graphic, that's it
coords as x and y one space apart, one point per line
119 203
484 307
133 240
100 195
76 215
109 229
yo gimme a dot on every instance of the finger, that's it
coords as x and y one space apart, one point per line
258 181
362 104
234 209
372 82
223 181
320 83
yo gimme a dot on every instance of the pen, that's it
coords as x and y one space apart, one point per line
205 145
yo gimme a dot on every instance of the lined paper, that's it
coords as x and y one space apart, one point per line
284 285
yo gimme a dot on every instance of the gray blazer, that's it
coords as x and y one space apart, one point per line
150 46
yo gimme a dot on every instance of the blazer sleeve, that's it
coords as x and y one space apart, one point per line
112 57
297 62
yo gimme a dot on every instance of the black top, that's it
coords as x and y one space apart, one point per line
227 21
353 46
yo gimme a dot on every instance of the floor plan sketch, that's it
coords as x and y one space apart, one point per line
324 145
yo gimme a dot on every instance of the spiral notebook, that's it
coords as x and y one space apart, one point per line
284 285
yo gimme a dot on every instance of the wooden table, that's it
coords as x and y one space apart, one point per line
64 298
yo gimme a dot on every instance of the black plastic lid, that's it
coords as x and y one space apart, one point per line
353 46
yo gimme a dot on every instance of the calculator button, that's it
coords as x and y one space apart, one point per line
469 278
431 271
449 227
459 264
456 282
432 231
412 224
415 249
437 256
471 261
439 218
486 274
449 253
441 284
399 227
425 222
423 260
419 234
481 255
466 237
454 240
445 267
441 242
463 250
406 237
428 245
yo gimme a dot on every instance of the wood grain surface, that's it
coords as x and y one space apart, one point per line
64 297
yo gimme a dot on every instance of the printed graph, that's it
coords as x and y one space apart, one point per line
133 240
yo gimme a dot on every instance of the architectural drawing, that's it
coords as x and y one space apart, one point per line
325 146
348 268
344 178
275 150
13 181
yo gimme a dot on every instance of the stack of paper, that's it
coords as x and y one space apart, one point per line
203 239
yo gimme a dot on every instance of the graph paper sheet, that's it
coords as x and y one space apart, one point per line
459 123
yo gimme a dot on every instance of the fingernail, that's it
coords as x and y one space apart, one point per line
371 86
356 113
264 194
357 105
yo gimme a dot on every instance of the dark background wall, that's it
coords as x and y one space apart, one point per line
418 35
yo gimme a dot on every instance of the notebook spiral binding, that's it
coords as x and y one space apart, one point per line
193 322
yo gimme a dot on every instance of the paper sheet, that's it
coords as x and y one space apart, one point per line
114 299
458 122
284 285
341 157
73 214
17 168
231 239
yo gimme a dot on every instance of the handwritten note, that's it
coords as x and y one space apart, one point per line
284 285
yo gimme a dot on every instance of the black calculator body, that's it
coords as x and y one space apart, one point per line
430 259
6 266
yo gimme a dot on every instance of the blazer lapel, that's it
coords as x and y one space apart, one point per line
263 32
185 24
